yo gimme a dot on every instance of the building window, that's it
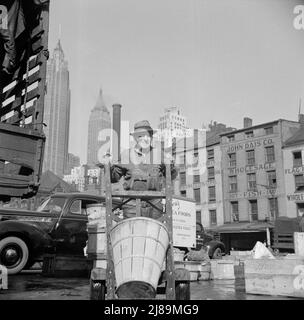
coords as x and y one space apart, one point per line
251 178
75 208
196 178
270 154
299 181
232 159
182 176
210 173
231 138
297 159
183 193
211 193
197 195
199 216
250 157
272 179
233 183
249 134
253 210
235 211
274 208
269 130
210 154
212 214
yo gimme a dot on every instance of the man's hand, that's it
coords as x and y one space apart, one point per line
117 172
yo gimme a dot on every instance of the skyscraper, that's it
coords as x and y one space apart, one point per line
171 124
99 119
172 120
57 113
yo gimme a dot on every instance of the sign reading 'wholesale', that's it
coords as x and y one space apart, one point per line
184 223
252 168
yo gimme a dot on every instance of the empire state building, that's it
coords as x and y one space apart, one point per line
57 113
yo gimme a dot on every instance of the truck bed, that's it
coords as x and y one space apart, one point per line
22 101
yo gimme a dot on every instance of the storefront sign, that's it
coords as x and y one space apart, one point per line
184 223
264 166
250 145
296 197
253 194
295 170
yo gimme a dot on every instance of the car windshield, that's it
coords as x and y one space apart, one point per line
52 205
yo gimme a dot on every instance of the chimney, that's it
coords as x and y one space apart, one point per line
301 118
116 128
247 122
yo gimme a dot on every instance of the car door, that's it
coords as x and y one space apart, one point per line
71 233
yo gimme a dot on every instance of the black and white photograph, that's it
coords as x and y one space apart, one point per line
153 151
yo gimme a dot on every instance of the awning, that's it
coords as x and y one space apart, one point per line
242 227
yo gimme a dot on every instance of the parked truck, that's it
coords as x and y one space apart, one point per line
23 58
283 233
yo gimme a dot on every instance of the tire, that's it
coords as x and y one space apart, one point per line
217 253
14 254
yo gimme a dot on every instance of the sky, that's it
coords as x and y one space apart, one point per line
217 60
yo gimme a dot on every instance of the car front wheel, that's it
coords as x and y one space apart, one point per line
14 254
217 254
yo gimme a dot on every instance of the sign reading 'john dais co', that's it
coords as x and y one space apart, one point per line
250 145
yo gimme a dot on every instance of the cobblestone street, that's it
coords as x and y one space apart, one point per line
30 285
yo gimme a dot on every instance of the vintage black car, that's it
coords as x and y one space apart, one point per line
216 248
59 225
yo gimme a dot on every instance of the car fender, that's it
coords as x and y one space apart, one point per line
36 239
212 245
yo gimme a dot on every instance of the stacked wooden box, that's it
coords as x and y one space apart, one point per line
226 269
65 266
198 269
283 276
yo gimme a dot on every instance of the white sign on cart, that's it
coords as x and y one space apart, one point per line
184 222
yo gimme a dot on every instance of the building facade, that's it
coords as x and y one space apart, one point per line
203 181
253 180
57 113
171 124
293 153
85 179
73 161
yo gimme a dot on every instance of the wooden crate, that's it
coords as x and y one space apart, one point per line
299 243
194 267
223 269
240 253
97 240
66 266
3 278
282 277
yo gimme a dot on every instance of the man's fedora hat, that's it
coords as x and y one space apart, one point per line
143 126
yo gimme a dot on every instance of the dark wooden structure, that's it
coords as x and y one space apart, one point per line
175 284
22 92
